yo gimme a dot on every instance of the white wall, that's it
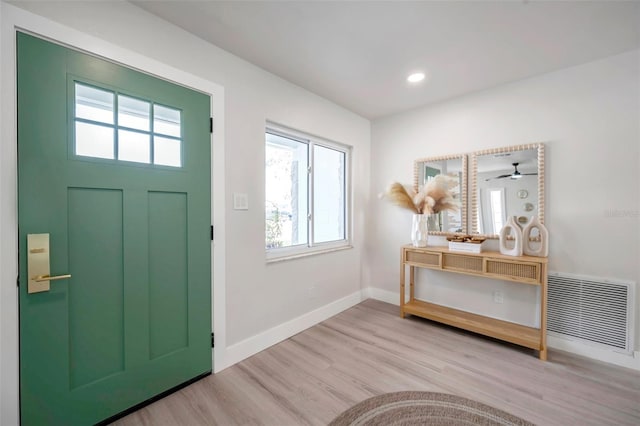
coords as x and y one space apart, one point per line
7 393
259 296
589 118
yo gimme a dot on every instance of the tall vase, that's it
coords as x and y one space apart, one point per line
511 227
535 248
419 230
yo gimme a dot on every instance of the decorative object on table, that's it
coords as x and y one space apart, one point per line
424 408
435 196
511 228
531 247
420 230
466 243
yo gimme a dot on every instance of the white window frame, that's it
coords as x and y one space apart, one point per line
311 247
117 127
489 203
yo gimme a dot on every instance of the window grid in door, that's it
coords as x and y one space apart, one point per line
114 126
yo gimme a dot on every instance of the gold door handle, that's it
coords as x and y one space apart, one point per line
41 278
38 265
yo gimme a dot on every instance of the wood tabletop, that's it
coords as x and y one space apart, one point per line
487 253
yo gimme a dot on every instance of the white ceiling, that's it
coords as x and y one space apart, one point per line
359 53
527 161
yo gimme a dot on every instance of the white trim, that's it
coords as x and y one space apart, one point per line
593 352
307 254
303 250
392 297
312 247
12 18
251 346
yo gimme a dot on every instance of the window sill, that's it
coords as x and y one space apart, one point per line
285 258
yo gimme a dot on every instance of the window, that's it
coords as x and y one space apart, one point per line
496 202
113 126
306 195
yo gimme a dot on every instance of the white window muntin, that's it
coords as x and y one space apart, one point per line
311 246
112 113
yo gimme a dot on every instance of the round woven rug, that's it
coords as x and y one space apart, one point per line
424 408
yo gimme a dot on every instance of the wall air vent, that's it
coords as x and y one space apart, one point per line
593 310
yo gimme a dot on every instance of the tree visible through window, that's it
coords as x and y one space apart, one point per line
305 193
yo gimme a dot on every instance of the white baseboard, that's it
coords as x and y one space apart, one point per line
251 346
392 297
583 349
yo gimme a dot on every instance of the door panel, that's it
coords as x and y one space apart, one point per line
168 298
134 319
95 354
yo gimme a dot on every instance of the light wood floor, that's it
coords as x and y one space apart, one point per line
368 350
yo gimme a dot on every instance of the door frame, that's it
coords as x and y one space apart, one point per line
14 19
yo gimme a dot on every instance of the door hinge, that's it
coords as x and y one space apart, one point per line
211 232
213 341
210 124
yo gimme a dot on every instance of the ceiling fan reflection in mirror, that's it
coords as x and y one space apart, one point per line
514 175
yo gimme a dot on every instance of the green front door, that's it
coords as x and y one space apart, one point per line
114 165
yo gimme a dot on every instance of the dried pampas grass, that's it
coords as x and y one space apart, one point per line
399 196
439 189
433 197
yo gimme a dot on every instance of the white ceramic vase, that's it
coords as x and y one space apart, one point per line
419 230
535 248
511 227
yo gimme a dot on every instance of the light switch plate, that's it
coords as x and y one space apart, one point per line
240 201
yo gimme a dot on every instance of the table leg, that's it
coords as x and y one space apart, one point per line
412 280
402 279
543 314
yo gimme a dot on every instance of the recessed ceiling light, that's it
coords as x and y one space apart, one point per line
416 77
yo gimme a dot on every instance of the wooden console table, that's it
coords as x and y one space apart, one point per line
523 270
